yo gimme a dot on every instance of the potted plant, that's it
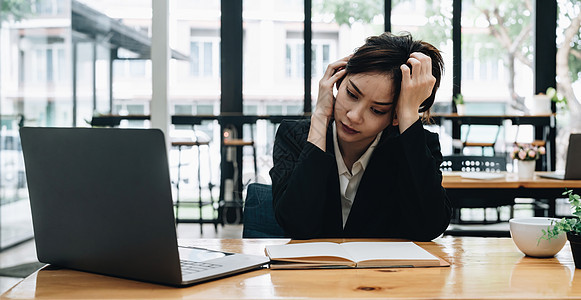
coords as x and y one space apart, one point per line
526 155
570 226
459 101
560 101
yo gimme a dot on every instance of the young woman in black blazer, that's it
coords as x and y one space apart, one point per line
363 165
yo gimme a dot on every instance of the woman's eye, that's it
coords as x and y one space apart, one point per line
350 94
377 112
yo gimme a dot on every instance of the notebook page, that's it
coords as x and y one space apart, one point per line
316 249
362 251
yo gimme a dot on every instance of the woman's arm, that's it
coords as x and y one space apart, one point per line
426 209
416 86
325 103
299 181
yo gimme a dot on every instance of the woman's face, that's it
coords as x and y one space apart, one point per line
363 108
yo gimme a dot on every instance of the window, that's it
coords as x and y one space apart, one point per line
295 58
45 63
205 57
497 42
323 53
129 68
339 27
182 109
49 7
273 52
430 21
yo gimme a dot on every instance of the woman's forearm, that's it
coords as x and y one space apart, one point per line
318 131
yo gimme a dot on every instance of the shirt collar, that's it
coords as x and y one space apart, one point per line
363 160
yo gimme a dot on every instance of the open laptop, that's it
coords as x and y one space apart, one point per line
573 164
101 202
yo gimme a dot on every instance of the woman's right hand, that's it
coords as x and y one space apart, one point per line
325 103
326 100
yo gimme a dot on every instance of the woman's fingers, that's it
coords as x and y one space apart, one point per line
326 99
338 75
425 62
417 82
333 67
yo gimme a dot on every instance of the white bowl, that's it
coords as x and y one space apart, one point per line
525 233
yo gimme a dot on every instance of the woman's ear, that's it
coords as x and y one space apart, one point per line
395 121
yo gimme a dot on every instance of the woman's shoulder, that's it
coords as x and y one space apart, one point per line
295 128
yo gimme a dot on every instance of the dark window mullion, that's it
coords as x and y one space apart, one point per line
456 49
387 15
308 35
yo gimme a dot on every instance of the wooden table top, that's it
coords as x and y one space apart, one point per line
482 268
509 180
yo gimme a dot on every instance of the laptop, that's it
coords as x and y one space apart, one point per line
573 164
101 202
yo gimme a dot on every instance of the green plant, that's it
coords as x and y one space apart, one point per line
458 99
572 225
561 101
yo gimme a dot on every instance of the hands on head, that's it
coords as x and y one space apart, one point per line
326 100
417 85
411 79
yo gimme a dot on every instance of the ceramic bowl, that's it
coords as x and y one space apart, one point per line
525 233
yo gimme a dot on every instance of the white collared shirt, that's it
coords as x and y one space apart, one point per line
349 181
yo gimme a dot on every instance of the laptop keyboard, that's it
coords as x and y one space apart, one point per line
189 267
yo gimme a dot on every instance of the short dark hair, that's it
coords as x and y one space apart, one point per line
386 53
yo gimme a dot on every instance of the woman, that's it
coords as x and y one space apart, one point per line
363 165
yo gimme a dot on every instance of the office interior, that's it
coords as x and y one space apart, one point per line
233 69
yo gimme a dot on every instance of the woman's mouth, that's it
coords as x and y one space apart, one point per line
348 129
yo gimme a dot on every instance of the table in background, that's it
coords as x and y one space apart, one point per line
544 130
482 268
509 186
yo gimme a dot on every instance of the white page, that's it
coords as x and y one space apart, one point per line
307 250
361 251
482 175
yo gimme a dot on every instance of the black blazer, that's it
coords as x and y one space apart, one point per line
400 194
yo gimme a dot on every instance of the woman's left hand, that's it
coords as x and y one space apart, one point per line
416 86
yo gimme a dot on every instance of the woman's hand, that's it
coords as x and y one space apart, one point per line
326 100
325 103
416 86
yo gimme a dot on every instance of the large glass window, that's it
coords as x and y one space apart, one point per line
195 32
36 90
84 81
273 71
497 54
339 27
195 90
430 21
273 54
568 74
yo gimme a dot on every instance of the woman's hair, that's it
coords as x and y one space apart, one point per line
385 53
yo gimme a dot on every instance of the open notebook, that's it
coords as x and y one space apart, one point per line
351 255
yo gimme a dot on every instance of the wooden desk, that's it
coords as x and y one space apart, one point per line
509 186
482 268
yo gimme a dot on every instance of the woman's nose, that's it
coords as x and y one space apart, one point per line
355 114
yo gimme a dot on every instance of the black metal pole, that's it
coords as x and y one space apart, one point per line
308 35
231 80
